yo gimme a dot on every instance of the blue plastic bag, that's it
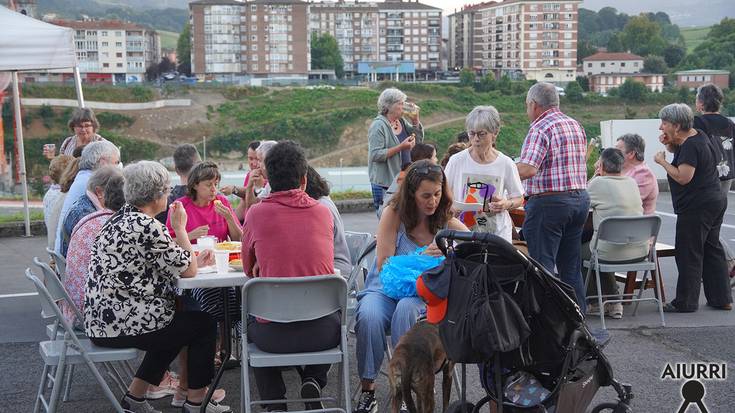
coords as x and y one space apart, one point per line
399 273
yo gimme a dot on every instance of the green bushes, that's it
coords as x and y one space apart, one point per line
102 93
111 120
240 92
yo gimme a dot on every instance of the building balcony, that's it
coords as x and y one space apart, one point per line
130 48
135 38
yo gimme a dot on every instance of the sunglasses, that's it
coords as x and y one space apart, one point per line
425 170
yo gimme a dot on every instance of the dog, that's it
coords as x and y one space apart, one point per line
418 356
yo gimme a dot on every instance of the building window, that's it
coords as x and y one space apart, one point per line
119 65
622 64
602 64
105 65
118 44
105 44
118 54
118 34
635 64
104 33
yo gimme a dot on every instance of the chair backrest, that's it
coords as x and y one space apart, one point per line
628 230
59 262
49 301
56 289
290 299
356 243
360 268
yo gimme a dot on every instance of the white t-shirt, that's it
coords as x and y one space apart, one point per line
472 182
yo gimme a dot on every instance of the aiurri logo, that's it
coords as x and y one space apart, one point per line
693 390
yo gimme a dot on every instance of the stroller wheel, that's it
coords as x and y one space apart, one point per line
457 407
612 408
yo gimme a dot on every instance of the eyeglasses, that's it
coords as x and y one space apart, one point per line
84 126
480 134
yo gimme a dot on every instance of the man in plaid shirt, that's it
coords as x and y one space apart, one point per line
554 172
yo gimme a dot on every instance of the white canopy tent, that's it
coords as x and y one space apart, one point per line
30 44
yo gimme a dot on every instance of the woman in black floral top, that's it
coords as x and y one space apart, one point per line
130 292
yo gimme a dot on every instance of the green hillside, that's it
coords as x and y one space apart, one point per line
168 39
693 36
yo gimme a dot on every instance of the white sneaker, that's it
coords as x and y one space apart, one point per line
615 310
212 407
593 309
180 397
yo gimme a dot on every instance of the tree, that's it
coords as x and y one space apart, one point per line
585 49
584 82
505 86
166 65
151 72
673 54
325 54
615 44
632 90
643 37
486 83
654 64
467 77
183 50
573 92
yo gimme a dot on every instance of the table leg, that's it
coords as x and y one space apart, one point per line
657 274
630 283
226 350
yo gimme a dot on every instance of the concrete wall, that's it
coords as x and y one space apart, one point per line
156 104
647 128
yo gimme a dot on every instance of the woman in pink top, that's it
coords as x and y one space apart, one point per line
209 213
307 250
633 148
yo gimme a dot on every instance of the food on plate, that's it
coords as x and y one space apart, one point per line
236 264
227 246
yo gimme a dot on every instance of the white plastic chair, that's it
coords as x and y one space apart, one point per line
623 231
71 350
292 299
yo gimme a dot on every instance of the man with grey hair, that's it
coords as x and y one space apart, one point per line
553 166
612 194
633 148
94 156
257 187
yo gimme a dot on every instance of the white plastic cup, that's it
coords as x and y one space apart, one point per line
222 261
206 243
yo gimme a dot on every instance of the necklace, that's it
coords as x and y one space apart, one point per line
396 124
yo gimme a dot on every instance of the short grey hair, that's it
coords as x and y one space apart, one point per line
711 97
678 114
145 182
483 117
544 94
95 152
101 177
264 148
611 160
388 98
633 142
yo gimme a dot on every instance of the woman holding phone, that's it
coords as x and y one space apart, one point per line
484 176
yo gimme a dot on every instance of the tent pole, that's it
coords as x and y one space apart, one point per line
78 85
21 153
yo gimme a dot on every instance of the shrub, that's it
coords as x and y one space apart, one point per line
632 90
112 120
573 92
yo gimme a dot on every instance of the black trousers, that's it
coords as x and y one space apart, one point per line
303 336
195 329
700 258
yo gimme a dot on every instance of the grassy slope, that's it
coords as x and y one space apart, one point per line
693 36
168 39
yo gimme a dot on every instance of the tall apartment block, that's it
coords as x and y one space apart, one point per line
108 51
534 38
270 39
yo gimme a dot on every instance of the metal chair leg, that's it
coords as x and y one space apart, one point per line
67 385
41 388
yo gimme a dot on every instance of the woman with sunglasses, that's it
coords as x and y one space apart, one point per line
483 175
416 213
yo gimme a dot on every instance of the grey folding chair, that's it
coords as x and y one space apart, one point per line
356 243
59 262
71 350
623 231
292 299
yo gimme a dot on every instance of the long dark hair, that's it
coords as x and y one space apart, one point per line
316 186
405 200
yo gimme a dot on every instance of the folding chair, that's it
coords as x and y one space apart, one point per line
70 350
292 299
356 243
623 231
59 263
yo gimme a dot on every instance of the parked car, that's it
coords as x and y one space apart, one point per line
169 76
560 91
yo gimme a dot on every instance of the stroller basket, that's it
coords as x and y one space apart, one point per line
519 323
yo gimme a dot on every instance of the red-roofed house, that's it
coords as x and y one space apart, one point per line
601 63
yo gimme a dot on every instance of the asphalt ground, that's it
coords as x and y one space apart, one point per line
639 349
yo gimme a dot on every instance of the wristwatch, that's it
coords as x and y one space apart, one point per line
235 191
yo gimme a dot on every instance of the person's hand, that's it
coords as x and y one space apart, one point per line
178 217
198 232
256 270
660 157
256 179
664 139
205 258
499 206
432 250
49 151
409 143
598 168
227 190
222 210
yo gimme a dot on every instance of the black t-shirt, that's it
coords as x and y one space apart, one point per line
176 192
722 131
704 188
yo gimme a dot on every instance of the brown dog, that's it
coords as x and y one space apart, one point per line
418 356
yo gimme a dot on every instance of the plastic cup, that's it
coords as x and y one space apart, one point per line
206 243
221 260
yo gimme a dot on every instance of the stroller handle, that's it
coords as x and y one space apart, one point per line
482 237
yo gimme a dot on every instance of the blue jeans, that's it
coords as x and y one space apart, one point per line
375 313
378 193
553 231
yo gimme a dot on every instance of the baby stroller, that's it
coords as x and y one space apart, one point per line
503 311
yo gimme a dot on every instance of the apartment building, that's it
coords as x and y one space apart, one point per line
693 79
108 51
602 83
532 38
603 62
233 40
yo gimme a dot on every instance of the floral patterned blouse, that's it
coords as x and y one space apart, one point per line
132 274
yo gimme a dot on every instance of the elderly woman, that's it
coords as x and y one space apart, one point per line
91 201
483 175
633 148
84 125
390 139
699 205
54 196
718 128
130 293
419 210
612 194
